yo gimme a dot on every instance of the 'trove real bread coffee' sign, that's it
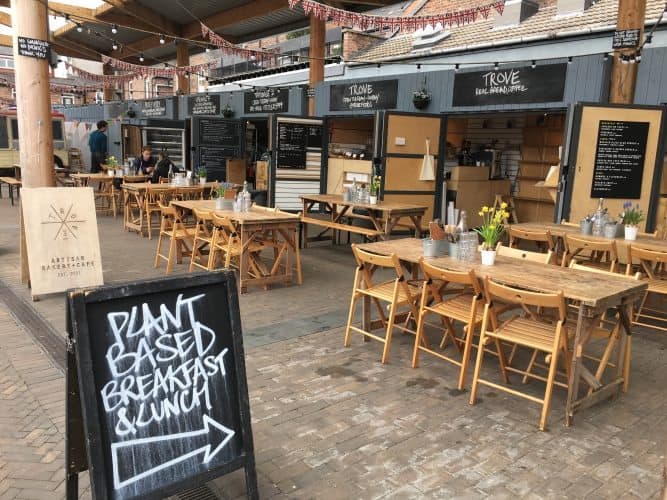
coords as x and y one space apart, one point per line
162 385
362 96
510 86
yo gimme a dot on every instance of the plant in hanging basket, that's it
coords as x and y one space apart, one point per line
227 112
421 98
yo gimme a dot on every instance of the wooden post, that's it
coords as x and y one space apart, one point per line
108 91
631 14
318 30
182 81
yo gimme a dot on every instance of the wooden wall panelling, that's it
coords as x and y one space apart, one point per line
336 168
414 129
402 174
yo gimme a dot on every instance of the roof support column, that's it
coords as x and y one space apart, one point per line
108 90
181 80
631 14
318 30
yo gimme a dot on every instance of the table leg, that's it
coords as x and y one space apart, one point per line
304 226
627 343
575 368
243 260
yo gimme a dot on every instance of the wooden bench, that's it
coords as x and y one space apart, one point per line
11 184
364 231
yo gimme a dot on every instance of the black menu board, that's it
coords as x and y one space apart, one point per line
225 135
314 139
34 47
213 158
625 39
619 159
204 105
524 85
154 108
292 142
162 385
362 96
267 100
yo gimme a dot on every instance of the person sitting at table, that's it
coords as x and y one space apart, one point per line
162 167
145 163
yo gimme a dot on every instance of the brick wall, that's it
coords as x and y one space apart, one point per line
355 41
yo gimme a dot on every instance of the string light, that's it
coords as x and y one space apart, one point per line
533 63
162 40
79 28
495 66
141 57
114 29
114 45
456 67
569 60
606 56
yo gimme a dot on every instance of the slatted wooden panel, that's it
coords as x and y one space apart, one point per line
287 193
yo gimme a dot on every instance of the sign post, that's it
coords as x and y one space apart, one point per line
162 387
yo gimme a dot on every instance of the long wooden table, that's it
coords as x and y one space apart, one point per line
260 224
560 230
595 293
385 216
134 201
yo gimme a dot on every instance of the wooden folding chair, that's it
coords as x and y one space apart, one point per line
154 195
226 246
106 197
543 239
172 227
397 292
202 240
564 222
515 253
527 330
598 253
652 264
464 305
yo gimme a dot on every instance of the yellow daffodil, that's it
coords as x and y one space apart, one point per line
503 205
480 214
485 209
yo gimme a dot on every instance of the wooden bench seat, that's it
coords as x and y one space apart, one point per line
11 184
371 233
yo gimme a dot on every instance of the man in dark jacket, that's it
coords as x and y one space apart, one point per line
145 164
97 142
164 164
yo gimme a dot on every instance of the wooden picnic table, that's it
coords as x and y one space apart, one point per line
596 293
560 230
385 216
260 224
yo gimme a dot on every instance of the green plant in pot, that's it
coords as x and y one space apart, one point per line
201 173
374 190
421 98
222 203
632 216
227 111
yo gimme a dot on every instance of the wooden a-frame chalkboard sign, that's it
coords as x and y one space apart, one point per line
157 396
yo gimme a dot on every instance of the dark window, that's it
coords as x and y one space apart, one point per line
57 130
4 139
15 129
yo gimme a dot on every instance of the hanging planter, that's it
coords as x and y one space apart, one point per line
421 98
227 112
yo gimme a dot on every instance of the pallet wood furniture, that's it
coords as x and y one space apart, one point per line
12 184
384 216
395 292
280 227
595 297
529 331
652 264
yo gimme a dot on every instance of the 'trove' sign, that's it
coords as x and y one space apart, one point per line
162 385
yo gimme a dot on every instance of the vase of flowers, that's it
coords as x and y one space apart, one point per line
631 216
421 98
201 173
112 165
491 229
374 190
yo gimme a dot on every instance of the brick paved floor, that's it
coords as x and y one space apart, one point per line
330 422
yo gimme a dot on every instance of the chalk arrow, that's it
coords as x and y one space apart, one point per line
217 436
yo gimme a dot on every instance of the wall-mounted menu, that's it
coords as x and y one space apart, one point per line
363 96
292 142
204 105
619 159
225 135
267 100
213 158
314 139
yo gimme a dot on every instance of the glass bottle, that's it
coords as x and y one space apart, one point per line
599 219
171 173
462 226
247 198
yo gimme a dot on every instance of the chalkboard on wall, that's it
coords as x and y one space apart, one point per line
226 136
619 159
363 96
292 143
162 385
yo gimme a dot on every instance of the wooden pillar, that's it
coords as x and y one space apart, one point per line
182 81
108 91
318 30
631 14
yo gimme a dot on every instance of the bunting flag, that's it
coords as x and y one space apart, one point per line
231 49
139 70
364 22
105 80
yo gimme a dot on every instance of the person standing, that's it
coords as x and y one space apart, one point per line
97 142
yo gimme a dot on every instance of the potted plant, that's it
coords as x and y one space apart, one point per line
374 190
632 216
201 173
421 98
112 165
221 202
492 228
227 111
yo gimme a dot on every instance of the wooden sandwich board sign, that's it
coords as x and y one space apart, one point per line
62 238
159 384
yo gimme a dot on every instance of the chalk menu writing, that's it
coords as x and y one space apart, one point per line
34 47
204 105
161 382
222 135
619 159
363 96
213 158
266 101
625 39
510 86
292 141
157 107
